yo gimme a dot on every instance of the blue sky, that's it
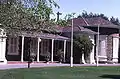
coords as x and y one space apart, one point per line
107 7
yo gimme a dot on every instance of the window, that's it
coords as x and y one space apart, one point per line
44 46
13 43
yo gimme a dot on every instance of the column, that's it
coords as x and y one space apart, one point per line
92 54
64 49
115 49
22 48
52 50
38 47
97 50
3 50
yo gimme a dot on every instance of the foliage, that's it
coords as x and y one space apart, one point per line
47 56
32 56
15 15
60 55
65 21
92 15
41 8
115 20
62 22
83 44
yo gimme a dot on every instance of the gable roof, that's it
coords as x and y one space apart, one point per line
75 29
94 21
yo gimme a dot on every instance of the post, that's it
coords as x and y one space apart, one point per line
38 49
97 59
71 58
64 49
22 48
52 50
29 60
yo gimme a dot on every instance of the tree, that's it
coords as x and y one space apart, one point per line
115 20
17 15
65 21
83 44
92 15
62 22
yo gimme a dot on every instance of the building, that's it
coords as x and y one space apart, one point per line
108 50
14 48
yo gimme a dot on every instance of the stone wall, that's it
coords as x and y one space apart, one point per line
109 48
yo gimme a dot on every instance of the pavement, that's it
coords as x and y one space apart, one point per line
35 65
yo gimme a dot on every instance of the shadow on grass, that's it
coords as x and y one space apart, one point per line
111 76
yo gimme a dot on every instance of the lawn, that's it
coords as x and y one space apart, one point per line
62 73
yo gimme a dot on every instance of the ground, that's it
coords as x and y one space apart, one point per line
62 73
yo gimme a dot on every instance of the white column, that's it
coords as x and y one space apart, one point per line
115 49
52 50
38 47
22 48
64 49
97 59
92 54
3 51
71 57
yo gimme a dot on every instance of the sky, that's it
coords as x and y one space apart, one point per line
107 7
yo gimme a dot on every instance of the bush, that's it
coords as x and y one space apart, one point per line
32 57
83 44
47 56
60 55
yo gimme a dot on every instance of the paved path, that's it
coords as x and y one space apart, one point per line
25 65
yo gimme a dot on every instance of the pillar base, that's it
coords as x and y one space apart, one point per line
115 60
92 62
3 61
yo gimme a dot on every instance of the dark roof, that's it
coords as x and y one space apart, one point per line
94 22
43 36
105 26
82 24
75 29
91 21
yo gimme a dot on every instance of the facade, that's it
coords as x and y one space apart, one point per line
17 48
106 44
105 38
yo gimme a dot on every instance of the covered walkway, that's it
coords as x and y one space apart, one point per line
38 44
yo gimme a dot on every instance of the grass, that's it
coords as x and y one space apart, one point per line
62 73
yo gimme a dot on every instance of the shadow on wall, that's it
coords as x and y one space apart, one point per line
111 76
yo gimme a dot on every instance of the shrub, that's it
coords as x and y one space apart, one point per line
83 44
60 55
47 56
